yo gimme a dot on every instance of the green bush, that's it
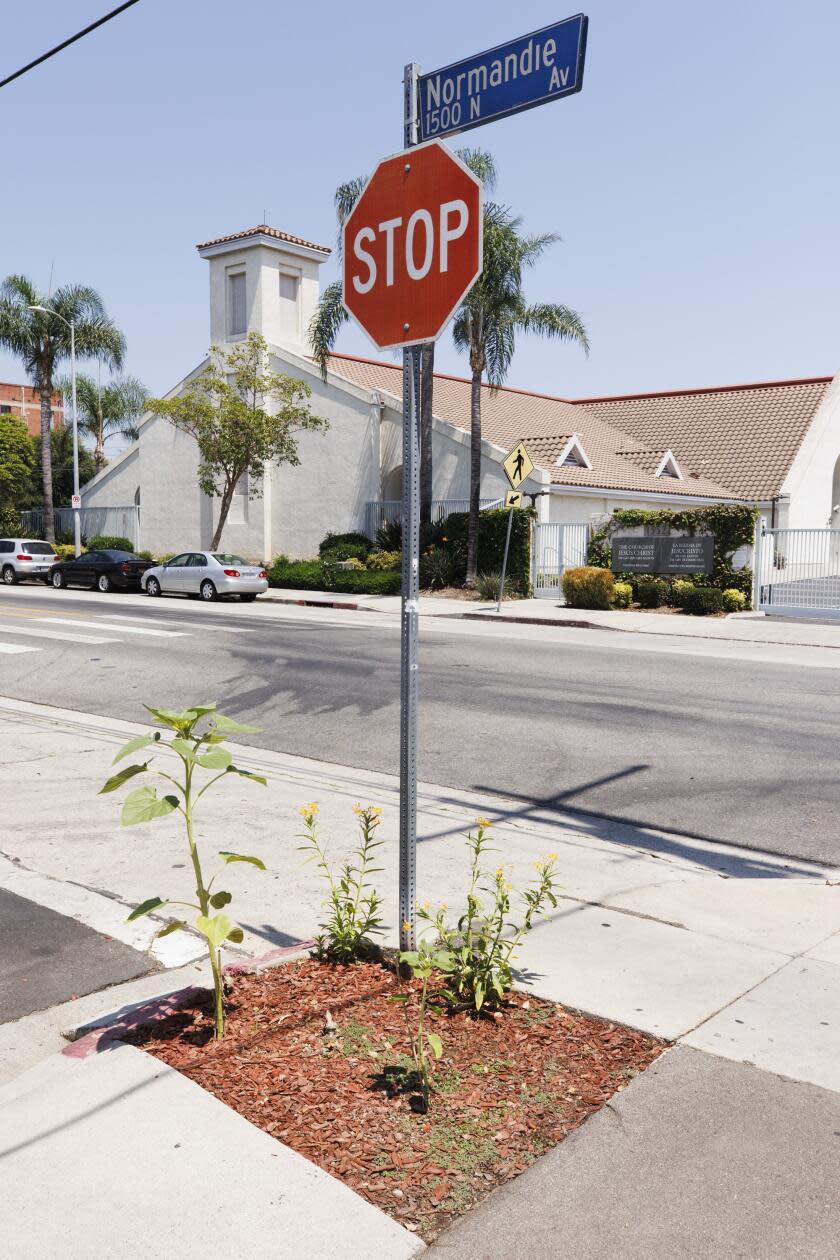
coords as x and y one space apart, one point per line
651 592
305 575
364 582
384 560
440 567
622 595
389 536
344 566
110 542
588 587
704 600
734 601
489 584
492 531
11 525
680 591
65 551
352 546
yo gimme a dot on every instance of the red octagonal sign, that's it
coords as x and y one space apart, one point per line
412 245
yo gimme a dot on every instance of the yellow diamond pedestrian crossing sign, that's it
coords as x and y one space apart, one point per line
513 499
518 465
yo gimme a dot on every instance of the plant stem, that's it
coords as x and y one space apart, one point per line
204 902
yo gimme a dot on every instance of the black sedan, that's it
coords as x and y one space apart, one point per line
103 570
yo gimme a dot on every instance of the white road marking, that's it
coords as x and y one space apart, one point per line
191 625
10 648
65 636
103 625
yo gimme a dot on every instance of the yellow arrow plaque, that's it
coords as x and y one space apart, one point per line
518 465
513 499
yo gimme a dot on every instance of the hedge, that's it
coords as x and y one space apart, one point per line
311 575
110 542
492 531
588 587
703 600
733 526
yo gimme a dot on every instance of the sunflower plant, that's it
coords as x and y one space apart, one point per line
483 942
196 745
352 904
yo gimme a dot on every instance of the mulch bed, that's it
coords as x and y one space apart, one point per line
508 1087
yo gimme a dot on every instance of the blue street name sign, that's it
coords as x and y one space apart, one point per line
518 75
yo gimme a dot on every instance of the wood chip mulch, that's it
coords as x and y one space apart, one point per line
508 1087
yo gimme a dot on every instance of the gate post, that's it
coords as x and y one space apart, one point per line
758 557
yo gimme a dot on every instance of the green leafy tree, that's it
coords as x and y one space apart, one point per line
61 462
331 316
486 326
226 410
106 411
41 340
17 460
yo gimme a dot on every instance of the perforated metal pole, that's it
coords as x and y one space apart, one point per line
410 591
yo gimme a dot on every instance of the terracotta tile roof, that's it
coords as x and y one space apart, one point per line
263 229
743 436
619 460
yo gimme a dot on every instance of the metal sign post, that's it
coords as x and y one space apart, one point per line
511 510
410 589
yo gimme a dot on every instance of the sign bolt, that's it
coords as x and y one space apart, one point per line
406 327
407 167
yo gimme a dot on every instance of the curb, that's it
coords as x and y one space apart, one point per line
91 1039
537 621
317 603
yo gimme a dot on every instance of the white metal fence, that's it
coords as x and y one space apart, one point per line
556 547
120 522
378 513
797 572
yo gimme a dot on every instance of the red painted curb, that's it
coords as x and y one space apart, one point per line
99 1039
314 603
494 618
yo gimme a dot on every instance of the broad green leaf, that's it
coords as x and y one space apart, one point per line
220 899
183 747
139 741
248 774
479 995
241 857
121 777
143 804
216 929
215 759
235 936
168 717
410 957
174 925
223 723
146 907
435 1043
199 710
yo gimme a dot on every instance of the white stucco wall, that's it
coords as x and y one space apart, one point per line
811 486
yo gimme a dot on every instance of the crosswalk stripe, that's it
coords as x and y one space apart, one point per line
65 636
191 625
103 625
12 648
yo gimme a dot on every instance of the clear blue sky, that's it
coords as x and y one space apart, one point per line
694 180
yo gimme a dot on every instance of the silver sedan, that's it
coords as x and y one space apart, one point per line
208 575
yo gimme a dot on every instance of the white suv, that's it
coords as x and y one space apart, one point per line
25 558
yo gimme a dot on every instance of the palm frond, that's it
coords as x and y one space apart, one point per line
481 163
346 196
326 323
554 321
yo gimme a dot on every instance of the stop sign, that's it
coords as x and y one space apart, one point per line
412 245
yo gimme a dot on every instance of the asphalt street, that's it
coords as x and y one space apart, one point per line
730 742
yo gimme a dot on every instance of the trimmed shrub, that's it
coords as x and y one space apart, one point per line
65 551
622 595
651 592
680 590
364 582
704 600
734 601
303 575
384 560
110 542
492 531
352 546
588 587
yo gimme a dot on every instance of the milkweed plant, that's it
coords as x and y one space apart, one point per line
196 744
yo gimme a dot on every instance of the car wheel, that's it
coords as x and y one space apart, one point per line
58 581
208 590
247 599
153 587
9 575
103 583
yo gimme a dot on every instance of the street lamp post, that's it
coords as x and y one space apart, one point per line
77 524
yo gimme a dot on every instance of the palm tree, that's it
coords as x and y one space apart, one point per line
331 316
492 313
106 411
41 338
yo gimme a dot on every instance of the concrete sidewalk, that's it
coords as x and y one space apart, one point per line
732 953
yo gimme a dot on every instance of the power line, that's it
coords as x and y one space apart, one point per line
67 42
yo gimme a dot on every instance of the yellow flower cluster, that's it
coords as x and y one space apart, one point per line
372 810
483 822
309 811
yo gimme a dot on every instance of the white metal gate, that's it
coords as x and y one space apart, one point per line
798 572
557 547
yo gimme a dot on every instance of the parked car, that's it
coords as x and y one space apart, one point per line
104 570
22 558
207 574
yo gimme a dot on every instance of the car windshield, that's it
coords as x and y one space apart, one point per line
38 548
224 558
121 555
